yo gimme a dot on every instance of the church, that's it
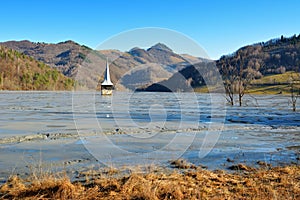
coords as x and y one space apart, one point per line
107 86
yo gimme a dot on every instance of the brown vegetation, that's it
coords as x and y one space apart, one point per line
21 72
159 62
137 67
273 183
257 61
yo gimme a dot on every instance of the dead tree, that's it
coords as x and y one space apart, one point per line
294 89
240 79
244 77
229 79
236 77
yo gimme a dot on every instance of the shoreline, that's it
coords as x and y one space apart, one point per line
45 139
69 151
246 183
199 90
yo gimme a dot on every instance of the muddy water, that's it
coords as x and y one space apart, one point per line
78 129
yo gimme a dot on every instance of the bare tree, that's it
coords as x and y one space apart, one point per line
295 89
244 77
229 78
229 91
236 77
240 78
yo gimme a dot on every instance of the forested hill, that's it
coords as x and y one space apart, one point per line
273 57
137 67
21 72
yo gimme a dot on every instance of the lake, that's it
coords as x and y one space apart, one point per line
81 129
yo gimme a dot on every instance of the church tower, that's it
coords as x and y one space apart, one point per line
107 85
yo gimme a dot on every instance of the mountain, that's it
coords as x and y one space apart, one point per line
160 47
129 70
275 56
21 72
146 68
142 67
185 80
64 56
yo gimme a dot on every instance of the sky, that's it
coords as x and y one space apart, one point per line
220 27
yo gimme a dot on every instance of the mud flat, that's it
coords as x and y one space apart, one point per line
74 153
38 132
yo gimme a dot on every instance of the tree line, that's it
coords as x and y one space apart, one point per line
255 61
21 72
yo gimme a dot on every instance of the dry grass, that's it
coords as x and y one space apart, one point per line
278 78
273 183
268 85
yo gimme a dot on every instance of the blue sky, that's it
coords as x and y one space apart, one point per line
220 26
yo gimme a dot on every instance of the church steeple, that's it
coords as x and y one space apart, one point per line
107 80
107 85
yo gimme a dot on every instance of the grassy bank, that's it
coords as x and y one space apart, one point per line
191 183
268 85
273 84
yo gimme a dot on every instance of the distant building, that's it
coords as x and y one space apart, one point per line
107 86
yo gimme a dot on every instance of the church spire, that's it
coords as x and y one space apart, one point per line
107 80
107 86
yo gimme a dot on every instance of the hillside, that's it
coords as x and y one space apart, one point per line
139 67
257 61
21 72
144 69
275 56
64 56
87 66
274 84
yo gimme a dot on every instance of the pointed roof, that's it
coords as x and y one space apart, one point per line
107 80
